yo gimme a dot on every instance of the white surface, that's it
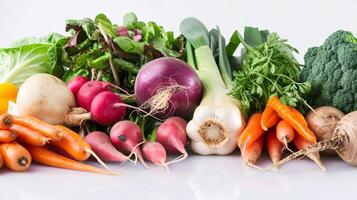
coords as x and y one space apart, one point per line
304 22
199 177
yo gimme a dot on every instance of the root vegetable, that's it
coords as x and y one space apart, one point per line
301 143
47 98
274 146
154 152
126 136
1 161
6 121
269 118
7 136
89 91
47 157
284 133
75 84
166 87
40 126
323 122
107 108
29 136
172 135
15 156
344 142
251 153
252 132
101 145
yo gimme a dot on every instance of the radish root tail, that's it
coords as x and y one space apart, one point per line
333 143
99 160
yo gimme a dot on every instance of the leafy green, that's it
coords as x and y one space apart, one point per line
268 69
105 24
29 56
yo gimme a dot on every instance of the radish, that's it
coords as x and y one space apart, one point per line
343 141
172 135
107 108
126 136
75 84
89 91
101 145
154 152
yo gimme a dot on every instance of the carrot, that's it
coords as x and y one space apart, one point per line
6 121
73 144
252 132
284 133
29 136
274 146
251 153
269 118
16 157
7 136
291 118
47 157
302 143
1 161
40 126
298 115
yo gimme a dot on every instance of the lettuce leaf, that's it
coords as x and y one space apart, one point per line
31 56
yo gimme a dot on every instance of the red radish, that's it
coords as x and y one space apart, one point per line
126 136
172 135
154 152
75 84
107 108
89 91
101 145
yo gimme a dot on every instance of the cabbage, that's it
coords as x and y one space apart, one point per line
31 56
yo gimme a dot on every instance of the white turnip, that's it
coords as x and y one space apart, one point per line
323 122
343 141
47 98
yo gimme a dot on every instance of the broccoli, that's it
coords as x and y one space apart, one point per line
332 71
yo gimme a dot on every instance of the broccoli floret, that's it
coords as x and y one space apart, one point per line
332 71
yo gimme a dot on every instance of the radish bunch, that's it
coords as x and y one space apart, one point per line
96 97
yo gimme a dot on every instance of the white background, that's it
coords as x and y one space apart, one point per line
304 22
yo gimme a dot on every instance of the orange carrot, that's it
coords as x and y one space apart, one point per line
289 116
298 115
302 143
73 144
252 132
284 132
15 156
47 157
269 118
1 161
274 146
6 121
40 126
29 136
251 153
7 136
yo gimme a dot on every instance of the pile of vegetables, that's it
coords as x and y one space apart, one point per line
134 92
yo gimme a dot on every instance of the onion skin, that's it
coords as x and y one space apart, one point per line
324 123
162 72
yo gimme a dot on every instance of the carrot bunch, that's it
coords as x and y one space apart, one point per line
282 123
23 139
